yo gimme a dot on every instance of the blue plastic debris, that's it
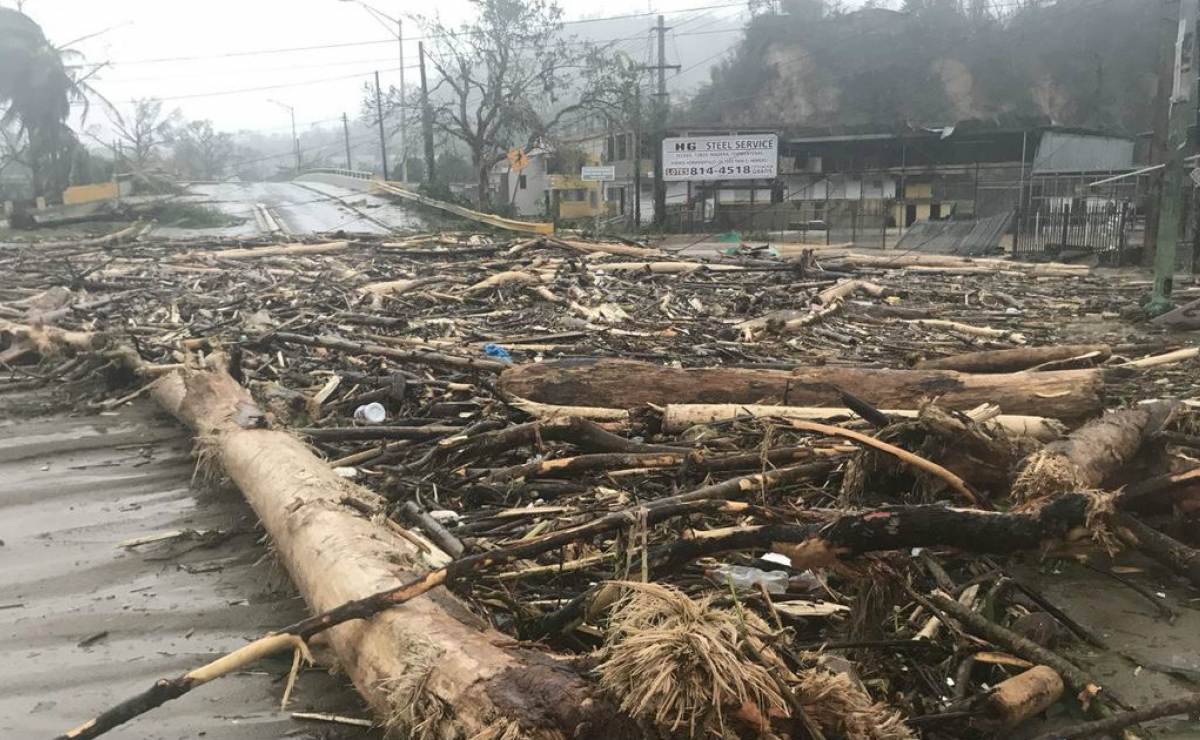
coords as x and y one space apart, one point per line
498 352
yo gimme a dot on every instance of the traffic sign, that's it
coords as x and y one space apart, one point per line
518 159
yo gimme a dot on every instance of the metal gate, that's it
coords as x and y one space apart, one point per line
1063 217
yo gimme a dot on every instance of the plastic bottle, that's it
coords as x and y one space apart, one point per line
371 413
743 578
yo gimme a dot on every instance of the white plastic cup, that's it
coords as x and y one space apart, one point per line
371 413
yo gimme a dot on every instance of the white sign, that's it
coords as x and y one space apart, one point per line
747 157
598 174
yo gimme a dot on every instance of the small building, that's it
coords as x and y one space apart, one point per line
524 191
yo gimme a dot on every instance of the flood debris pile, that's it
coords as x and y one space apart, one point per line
670 497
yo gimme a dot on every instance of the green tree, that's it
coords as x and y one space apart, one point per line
38 86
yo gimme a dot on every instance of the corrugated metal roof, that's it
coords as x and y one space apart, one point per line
1071 152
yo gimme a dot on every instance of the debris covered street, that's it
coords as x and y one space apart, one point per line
542 370
781 450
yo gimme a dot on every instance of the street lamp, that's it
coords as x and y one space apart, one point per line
295 139
380 16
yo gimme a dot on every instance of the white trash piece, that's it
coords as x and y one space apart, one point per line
743 578
371 413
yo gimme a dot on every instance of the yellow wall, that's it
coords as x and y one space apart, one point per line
90 193
577 208
915 190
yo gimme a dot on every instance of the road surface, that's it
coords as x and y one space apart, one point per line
85 622
297 208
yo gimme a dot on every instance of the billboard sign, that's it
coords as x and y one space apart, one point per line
745 157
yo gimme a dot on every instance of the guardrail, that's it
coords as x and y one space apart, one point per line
356 174
528 227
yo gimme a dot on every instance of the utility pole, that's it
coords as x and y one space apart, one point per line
637 158
1182 115
426 120
403 109
379 114
660 121
346 135
1158 130
295 139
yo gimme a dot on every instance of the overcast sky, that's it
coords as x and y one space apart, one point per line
185 52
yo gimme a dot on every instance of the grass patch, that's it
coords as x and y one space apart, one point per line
193 216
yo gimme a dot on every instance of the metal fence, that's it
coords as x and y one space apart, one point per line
1070 216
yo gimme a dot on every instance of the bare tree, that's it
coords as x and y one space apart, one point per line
201 152
505 76
145 132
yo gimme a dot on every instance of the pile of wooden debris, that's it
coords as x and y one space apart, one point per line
543 488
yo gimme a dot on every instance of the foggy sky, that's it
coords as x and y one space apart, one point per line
134 36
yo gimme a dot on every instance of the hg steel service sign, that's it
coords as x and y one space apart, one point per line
747 157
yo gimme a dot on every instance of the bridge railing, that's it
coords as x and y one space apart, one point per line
356 174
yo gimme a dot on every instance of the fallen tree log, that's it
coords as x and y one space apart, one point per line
275 250
679 416
1088 456
663 268
1014 360
18 340
1066 394
431 661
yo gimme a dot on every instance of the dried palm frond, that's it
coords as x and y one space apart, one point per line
677 662
843 709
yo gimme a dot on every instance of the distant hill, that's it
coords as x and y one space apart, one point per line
1075 62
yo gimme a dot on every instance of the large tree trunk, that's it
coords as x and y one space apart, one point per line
1015 360
1087 457
430 658
1068 394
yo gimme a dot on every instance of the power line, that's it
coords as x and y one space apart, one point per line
261 88
352 44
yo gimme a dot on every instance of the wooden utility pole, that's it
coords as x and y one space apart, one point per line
637 158
660 122
346 135
379 115
426 120
1156 151
1180 118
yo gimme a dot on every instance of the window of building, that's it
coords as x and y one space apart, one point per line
622 147
521 182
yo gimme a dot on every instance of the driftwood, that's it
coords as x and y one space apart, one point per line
276 250
1016 699
679 416
337 557
1089 455
1067 394
1104 727
1015 360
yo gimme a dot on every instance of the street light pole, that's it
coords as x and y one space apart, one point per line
382 138
381 17
403 107
295 139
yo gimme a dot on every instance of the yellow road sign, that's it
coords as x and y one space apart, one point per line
518 159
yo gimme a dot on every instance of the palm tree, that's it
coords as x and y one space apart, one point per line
37 89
